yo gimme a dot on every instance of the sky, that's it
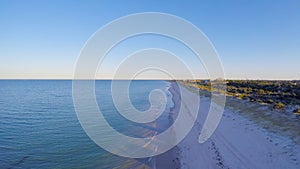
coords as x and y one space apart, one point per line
254 39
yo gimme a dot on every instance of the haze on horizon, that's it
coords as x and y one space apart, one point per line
254 39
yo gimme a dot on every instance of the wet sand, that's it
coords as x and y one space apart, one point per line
171 159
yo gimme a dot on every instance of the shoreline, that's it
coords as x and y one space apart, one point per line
171 158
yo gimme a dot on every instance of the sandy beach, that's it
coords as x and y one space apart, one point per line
238 142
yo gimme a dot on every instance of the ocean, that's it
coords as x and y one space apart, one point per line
39 127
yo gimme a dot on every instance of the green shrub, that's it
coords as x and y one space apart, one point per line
270 101
279 105
261 92
297 111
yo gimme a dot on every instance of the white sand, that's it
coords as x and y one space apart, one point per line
237 143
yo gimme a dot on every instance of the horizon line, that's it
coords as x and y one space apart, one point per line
147 79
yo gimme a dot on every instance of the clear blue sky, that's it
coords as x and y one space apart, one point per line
255 39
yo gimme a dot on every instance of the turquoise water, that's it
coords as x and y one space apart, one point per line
39 127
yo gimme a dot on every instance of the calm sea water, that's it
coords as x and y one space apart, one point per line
39 127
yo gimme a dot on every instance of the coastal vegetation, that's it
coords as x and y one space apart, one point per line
279 95
275 105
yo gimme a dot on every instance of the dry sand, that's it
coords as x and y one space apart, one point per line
238 142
